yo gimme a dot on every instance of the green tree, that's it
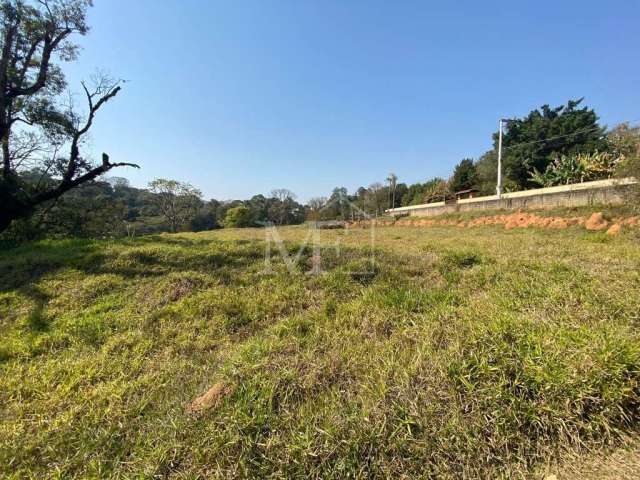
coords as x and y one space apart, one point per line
337 206
535 141
486 172
625 142
401 191
464 176
206 217
361 198
413 195
91 210
36 121
238 217
418 193
375 198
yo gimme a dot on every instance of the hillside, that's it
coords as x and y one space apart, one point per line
475 352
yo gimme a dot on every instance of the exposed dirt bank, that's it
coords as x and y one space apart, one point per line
519 219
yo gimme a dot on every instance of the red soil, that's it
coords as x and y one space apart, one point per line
519 219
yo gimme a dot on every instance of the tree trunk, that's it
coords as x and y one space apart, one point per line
4 223
11 209
4 139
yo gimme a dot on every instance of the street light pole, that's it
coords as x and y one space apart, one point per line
499 183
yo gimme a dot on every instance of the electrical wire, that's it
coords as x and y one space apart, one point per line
577 132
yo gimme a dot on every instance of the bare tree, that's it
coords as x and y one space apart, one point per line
32 88
315 207
286 198
283 194
118 182
177 201
373 194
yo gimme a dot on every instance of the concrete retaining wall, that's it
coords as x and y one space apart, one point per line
600 192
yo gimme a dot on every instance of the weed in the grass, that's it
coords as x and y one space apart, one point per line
330 307
363 270
460 259
597 237
36 320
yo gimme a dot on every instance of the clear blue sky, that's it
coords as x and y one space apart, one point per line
240 97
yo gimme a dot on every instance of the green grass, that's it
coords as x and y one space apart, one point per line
456 353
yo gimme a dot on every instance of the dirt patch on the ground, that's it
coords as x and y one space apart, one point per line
212 398
620 464
519 219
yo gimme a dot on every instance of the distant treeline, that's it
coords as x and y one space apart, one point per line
50 188
112 207
551 146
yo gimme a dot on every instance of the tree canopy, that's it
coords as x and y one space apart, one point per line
177 201
550 146
39 128
464 176
239 216
535 141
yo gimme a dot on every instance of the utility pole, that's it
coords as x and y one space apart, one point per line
499 183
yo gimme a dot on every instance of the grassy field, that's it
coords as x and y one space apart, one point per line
458 353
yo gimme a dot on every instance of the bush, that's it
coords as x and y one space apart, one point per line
583 167
238 217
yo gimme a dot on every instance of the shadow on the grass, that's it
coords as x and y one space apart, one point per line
23 267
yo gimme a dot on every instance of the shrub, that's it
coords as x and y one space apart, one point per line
582 167
238 217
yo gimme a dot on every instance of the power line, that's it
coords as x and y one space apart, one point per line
584 130
553 138
577 132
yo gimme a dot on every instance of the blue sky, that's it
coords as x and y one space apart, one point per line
241 97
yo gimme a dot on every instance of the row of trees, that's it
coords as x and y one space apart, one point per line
375 199
48 187
281 208
112 207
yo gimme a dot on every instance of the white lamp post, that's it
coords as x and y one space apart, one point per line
499 183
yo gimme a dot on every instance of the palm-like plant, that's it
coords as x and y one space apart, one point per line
393 181
582 167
